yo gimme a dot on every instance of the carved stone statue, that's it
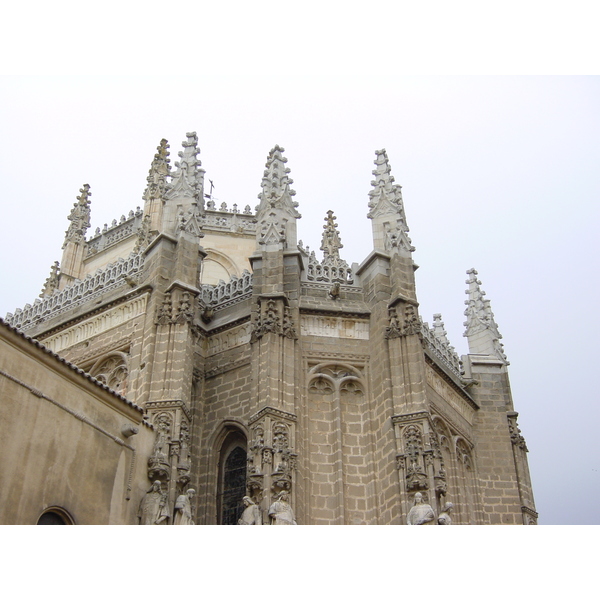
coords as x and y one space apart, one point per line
444 516
183 508
153 507
281 512
251 514
420 513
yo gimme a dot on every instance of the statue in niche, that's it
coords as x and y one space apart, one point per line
421 513
183 508
251 514
153 507
444 516
281 512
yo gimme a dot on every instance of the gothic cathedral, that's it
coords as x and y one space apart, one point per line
196 364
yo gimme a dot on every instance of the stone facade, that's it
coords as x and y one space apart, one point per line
271 378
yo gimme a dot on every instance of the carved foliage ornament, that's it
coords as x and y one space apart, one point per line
268 320
409 325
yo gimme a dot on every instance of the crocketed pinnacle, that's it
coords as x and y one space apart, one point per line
331 243
159 172
276 191
79 217
385 199
481 328
188 178
439 331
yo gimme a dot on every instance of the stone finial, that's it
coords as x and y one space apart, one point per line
481 328
160 169
331 243
276 213
188 179
439 331
51 284
79 217
276 190
390 230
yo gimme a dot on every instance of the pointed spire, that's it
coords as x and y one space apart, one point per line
439 331
51 283
79 217
160 169
276 213
481 329
276 190
390 230
331 243
188 179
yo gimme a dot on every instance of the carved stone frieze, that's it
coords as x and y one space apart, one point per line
334 327
84 330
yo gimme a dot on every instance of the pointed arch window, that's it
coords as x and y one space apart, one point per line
232 478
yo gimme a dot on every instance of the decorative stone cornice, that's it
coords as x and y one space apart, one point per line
122 272
274 412
158 405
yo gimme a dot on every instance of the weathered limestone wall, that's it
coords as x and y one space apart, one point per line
62 441
494 461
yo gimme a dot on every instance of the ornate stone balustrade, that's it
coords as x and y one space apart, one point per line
82 291
114 233
234 289
329 274
229 219
442 350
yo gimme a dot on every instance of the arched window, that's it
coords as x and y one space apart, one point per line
55 516
232 478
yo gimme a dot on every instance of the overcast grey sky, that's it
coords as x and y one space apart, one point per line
499 172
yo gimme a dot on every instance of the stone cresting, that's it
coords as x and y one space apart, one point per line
440 346
113 234
236 289
121 272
